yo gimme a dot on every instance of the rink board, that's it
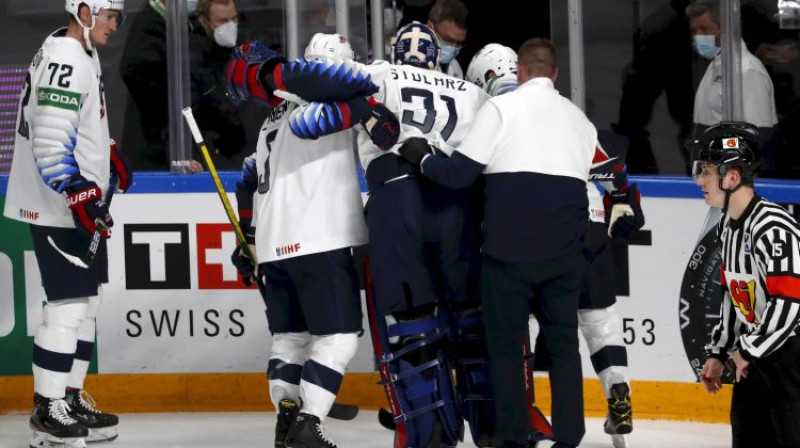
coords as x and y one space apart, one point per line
175 310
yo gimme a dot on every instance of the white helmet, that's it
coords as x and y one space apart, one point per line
494 69
329 46
72 7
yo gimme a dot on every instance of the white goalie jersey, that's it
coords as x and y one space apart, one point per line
62 132
308 197
428 104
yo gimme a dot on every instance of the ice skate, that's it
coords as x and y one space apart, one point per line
307 432
102 426
287 412
52 425
620 416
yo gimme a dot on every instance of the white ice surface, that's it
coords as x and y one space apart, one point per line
251 430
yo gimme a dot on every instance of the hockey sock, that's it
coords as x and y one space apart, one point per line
54 346
324 370
85 347
602 329
289 353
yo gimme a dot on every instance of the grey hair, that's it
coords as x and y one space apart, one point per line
699 7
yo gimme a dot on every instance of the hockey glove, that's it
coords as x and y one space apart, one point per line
624 212
121 169
414 150
244 264
89 210
248 74
323 80
382 126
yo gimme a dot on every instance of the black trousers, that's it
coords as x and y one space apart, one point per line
766 404
551 289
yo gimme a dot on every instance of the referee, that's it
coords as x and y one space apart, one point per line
534 148
758 324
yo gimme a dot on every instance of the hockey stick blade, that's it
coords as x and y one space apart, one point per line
81 262
386 419
341 411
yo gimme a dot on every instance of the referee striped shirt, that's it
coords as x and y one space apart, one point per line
761 278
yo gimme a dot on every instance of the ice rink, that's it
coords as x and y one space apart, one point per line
239 430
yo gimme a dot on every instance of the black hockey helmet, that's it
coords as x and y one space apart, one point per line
726 145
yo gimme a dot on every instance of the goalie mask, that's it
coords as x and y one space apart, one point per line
95 6
415 44
494 69
329 46
726 145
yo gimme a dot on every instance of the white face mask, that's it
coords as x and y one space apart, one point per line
225 35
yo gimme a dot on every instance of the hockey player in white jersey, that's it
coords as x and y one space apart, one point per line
306 218
64 167
494 68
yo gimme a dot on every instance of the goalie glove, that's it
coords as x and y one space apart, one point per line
89 210
248 74
624 212
121 169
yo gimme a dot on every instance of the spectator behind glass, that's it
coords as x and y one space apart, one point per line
144 71
758 99
448 20
213 35
663 35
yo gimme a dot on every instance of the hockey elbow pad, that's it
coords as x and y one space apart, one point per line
624 211
323 80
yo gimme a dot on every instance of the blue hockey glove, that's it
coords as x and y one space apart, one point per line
244 265
89 210
121 169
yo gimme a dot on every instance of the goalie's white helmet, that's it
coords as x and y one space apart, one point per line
95 6
329 46
494 69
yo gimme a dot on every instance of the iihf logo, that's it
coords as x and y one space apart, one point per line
747 243
288 249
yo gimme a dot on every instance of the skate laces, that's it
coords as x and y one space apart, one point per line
321 434
87 402
59 410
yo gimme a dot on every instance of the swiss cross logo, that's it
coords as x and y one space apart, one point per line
731 143
215 244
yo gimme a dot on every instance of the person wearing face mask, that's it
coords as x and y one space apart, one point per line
757 91
448 20
214 33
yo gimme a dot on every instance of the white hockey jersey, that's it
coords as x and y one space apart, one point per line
62 131
428 104
309 199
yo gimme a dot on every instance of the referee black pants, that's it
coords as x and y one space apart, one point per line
551 289
766 405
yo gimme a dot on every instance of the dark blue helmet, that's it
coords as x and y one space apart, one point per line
416 44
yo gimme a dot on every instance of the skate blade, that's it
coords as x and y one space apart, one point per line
102 435
44 440
620 441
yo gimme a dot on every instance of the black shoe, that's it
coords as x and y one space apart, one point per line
620 415
102 426
287 412
51 420
307 432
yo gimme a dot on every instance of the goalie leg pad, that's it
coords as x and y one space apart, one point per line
416 378
470 358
